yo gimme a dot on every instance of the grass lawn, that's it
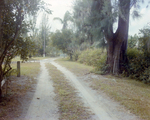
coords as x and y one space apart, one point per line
28 69
132 94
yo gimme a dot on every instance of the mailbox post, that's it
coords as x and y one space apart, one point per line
18 68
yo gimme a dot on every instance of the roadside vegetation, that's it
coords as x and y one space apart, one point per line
137 65
69 103
11 105
134 95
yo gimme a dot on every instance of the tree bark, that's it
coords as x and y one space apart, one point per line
117 45
1 78
1 73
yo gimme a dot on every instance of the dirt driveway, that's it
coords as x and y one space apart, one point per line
44 107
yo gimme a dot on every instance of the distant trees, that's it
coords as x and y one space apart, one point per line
62 40
144 40
65 20
132 41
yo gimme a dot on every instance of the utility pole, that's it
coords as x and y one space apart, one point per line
44 32
44 44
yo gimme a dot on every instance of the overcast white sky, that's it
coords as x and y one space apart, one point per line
59 7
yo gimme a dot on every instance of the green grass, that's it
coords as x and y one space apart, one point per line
28 69
132 94
70 105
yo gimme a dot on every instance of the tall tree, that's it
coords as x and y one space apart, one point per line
62 40
81 12
104 13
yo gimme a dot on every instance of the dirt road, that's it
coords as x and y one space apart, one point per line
43 106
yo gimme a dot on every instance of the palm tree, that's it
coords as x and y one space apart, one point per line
64 21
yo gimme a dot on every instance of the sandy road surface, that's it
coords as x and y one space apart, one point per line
43 106
103 108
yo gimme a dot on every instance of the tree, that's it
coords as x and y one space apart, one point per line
62 41
82 27
104 13
132 41
64 21
144 41
13 28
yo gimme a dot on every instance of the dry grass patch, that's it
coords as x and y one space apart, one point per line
70 106
134 95
12 104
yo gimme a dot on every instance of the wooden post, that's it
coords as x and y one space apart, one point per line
18 68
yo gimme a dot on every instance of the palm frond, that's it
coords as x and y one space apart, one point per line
59 19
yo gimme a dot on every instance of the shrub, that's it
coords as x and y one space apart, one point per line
90 56
138 66
76 55
95 58
101 67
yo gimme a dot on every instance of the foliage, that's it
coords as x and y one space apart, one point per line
102 67
132 41
95 58
63 40
65 20
139 59
144 40
76 54
14 27
82 27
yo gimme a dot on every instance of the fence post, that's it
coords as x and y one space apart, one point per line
18 68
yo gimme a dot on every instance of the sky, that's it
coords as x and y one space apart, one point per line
59 7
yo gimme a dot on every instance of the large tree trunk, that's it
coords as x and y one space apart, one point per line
117 45
1 73
113 56
1 78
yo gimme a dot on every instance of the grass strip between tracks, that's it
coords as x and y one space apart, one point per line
70 105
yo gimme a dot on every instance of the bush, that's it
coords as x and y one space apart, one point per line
95 58
76 55
138 65
90 56
101 67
